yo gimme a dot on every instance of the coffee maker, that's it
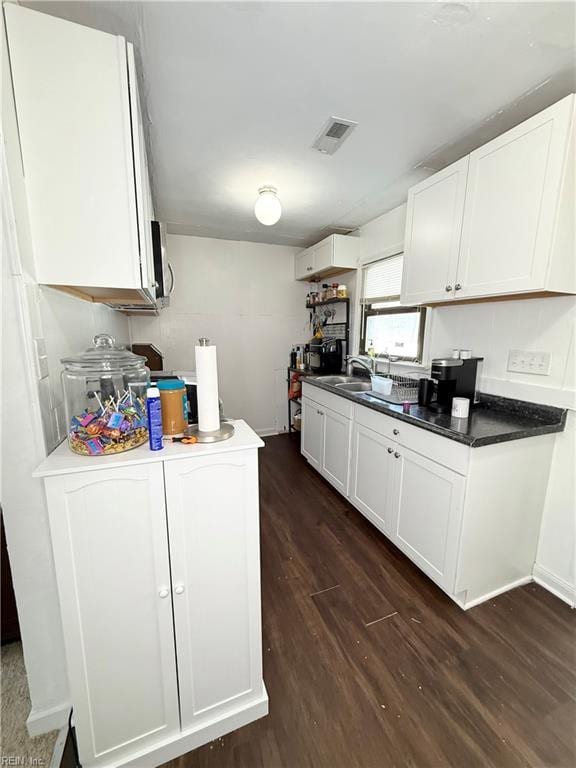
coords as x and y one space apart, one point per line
453 377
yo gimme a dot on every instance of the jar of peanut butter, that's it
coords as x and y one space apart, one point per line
173 403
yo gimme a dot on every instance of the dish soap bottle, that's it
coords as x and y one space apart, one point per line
371 351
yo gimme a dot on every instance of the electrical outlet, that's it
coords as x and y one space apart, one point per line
522 361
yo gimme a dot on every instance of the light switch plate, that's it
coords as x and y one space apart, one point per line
523 361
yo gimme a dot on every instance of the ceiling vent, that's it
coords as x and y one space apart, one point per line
334 132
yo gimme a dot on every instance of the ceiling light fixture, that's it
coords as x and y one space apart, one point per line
267 207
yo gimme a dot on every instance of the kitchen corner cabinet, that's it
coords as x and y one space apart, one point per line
334 254
500 221
82 146
469 518
158 568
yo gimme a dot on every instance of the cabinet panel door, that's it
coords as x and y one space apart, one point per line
371 481
511 205
312 433
215 556
336 449
323 255
433 229
304 264
72 102
110 541
427 512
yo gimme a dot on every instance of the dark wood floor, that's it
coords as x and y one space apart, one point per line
430 685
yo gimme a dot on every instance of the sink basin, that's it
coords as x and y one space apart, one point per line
355 386
335 380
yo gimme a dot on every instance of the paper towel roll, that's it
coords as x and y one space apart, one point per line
207 388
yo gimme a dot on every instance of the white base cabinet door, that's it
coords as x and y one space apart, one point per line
371 481
110 542
427 509
336 449
214 548
312 432
326 438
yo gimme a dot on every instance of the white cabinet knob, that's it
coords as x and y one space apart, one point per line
179 589
163 593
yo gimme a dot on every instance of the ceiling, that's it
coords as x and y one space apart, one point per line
235 94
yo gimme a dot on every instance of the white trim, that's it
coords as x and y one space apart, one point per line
44 720
58 751
269 431
557 586
466 605
391 250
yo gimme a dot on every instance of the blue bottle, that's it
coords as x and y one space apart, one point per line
154 411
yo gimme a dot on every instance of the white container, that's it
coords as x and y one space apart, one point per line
381 385
460 407
465 354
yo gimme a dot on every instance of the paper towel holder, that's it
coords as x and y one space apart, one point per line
225 431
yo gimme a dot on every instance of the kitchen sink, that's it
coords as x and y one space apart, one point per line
335 380
355 386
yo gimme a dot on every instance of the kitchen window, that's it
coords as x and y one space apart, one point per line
390 328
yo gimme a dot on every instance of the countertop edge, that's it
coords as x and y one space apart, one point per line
470 442
53 465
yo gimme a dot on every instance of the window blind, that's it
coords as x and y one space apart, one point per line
382 280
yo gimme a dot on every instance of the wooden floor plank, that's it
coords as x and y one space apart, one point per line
429 686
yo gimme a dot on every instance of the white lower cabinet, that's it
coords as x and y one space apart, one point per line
158 568
426 507
326 438
214 551
110 544
336 449
312 432
467 517
371 481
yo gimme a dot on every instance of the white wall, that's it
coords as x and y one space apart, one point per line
244 298
31 421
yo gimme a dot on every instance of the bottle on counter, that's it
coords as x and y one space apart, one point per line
371 351
154 412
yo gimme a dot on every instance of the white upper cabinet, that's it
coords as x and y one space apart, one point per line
334 254
433 229
73 103
500 221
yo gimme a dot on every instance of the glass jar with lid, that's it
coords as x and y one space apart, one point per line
105 398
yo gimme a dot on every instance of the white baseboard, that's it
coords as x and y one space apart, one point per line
266 432
44 720
489 595
559 587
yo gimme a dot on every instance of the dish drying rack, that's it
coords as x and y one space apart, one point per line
404 389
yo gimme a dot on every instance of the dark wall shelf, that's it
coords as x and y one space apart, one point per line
328 301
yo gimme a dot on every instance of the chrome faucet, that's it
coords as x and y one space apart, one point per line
370 367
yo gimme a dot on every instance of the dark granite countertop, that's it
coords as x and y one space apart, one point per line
493 420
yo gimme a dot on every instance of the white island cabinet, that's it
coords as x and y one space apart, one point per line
467 517
158 563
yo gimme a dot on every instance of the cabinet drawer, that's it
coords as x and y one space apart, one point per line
334 402
441 449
